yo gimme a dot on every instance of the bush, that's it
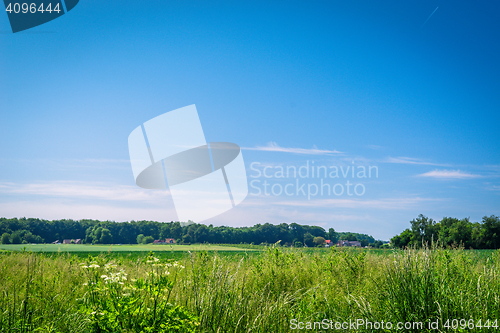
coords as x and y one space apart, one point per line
140 237
319 241
148 240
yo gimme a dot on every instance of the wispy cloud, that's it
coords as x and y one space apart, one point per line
448 174
56 209
410 160
84 190
71 163
388 203
273 146
430 16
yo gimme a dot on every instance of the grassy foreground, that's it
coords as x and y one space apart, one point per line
276 290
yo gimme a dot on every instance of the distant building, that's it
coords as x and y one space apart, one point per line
166 241
348 243
71 241
329 243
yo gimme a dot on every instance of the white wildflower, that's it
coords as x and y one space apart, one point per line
109 266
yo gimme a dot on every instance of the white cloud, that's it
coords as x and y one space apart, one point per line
72 163
410 160
55 210
273 146
255 210
84 190
448 174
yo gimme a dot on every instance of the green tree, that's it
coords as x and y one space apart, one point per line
425 230
402 240
97 235
5 238
333 235
460 233
349 236
309 239
16 238
106 237
140 237
201 234
186 239
444 232
319 241
490 232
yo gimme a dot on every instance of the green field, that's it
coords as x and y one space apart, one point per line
120 248
223 288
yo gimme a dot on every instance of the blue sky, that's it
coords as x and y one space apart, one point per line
340 83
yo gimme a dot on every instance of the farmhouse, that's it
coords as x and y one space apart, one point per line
166 241
348 243
72 241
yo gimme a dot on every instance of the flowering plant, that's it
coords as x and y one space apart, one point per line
116 303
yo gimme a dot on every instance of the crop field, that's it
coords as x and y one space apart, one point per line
275 289
118 248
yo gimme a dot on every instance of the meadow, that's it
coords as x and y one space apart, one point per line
269 289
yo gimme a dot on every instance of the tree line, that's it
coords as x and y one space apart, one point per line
34 230
451 232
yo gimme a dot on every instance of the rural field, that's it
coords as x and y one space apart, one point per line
120 248
201 288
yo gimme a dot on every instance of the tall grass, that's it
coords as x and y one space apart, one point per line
38 293
263 293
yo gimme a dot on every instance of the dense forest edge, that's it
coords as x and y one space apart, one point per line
449 232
